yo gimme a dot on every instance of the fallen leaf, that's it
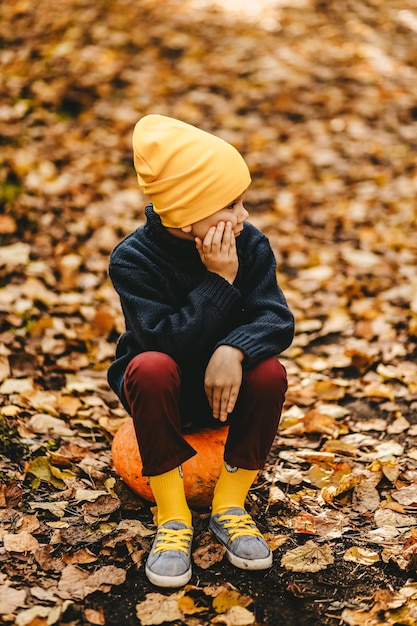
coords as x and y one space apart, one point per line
43 470
386 517
275 541
310 557
235 616
229 598
56 508
361 555
365 497
42 423
38 615
329 391
11 599
88 495
16 385
14 255
95 616
157 609
208 551
20 542
407 496
77 584
187 606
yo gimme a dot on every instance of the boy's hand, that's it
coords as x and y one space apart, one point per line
223 379
218 251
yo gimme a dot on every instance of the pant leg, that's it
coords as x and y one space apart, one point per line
255 419
152 383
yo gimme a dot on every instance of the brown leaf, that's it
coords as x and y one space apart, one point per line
20 542
208 551
77 584
11 599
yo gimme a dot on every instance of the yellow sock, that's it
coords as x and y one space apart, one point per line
232 488
169 494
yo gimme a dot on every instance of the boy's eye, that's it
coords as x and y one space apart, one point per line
231 205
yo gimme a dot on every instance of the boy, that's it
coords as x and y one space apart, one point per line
205 320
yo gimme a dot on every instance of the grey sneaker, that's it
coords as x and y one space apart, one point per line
169 561
245 546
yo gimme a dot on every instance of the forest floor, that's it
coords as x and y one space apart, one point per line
321 99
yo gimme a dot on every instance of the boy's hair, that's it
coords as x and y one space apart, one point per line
188 173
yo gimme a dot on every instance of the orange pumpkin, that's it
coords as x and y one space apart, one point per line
200 472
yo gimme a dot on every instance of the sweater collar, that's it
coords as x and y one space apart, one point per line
163 238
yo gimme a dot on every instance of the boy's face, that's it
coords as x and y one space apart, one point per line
235 213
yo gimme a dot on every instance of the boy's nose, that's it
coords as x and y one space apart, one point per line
243 214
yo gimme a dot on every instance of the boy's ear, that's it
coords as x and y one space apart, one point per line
186 229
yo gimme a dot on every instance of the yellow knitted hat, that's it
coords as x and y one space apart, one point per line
188 173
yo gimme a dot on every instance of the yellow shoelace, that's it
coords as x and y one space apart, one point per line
170 539
239 526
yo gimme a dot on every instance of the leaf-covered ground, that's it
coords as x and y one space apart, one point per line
321 98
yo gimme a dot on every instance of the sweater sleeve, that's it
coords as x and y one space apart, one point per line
268 324
186 329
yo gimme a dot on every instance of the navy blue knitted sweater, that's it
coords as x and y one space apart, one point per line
173 304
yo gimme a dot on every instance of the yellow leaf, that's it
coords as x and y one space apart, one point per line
379 391
41 468
347 482
63 474
226 599
188 606
327 390
320 476
357 554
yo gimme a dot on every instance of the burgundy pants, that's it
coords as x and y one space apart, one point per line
163 406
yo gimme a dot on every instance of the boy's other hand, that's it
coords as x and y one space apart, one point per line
222 380
218 251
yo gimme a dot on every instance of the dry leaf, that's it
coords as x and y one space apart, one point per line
42 423
361 555
20 542
407 496
94 616
77 584
310 557
11 599
275 541
157 609
365 497
229 598
56 508
38 615
14 255
208 551
88 495
188 607
329 391
386 517
235 616
316 422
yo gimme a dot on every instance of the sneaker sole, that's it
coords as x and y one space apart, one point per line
168 581
250 564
